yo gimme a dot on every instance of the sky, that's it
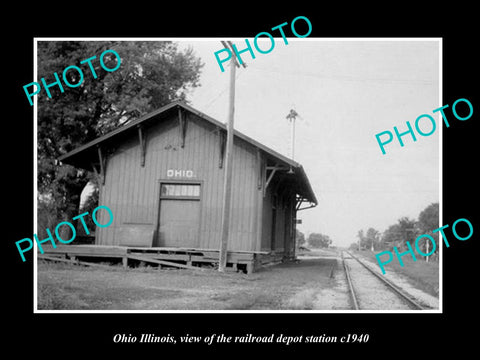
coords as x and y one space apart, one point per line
345 91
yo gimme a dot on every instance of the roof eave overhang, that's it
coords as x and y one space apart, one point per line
87 155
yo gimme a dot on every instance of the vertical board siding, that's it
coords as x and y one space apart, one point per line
243 191
283 223
280 228
131 191
267 220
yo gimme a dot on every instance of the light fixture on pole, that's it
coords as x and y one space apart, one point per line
292 116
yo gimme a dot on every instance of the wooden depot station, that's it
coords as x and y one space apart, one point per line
162 176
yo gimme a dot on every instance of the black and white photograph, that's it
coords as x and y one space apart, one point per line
313 196
184 182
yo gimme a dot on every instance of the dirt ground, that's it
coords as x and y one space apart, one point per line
293 286
316 281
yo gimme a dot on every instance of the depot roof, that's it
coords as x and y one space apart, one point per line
86 155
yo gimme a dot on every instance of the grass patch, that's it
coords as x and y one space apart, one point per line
421 274
54 297
65 286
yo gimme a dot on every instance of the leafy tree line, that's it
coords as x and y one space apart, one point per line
314 240
151 75
405 229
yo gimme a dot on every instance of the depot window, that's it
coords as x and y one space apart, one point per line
180 191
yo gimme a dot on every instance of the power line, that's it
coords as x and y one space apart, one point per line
225 88
348 77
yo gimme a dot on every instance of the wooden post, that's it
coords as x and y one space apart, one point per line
250 267
227 182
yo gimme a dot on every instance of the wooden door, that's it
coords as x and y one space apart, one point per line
179 219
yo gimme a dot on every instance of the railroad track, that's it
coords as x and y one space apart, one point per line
361 302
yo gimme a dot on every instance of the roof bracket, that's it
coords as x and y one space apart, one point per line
300 201
143 144
101 160
273 170
223 144
183 126
278 167
260 169
312 205
270 177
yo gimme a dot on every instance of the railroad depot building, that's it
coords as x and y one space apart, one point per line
162 177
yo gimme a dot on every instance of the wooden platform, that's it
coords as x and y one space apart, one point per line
188 258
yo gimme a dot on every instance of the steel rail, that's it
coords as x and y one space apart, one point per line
392 286
350 285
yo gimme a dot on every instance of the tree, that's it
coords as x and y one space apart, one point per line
317 240
369 240
428 220
372 239
353 246
398 234
300 238
361 239
151 75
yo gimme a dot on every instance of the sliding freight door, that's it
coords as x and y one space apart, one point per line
179 215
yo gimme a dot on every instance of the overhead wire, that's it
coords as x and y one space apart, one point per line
425 82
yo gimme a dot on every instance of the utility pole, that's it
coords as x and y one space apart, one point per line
227 182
